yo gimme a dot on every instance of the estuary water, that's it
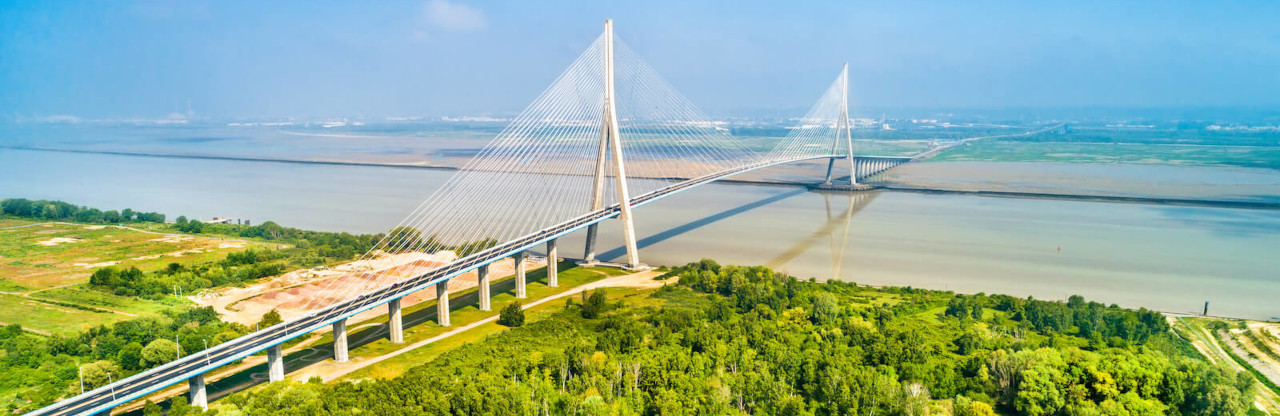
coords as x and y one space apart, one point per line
1167 258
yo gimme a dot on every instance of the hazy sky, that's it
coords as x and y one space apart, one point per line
436 57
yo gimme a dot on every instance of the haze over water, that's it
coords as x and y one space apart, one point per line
1163 257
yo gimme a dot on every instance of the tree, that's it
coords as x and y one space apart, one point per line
825 308
189 226
130 356
158 352
105 276
1006 370
18 207
1041 391
511 315
270 318
152 409
594 305
1222 400
966 407
178 406
915 399
404 239
98 374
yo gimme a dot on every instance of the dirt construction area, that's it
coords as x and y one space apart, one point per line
296 293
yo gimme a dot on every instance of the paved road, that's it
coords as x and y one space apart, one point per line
103 398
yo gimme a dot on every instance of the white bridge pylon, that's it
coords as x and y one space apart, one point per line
826 130
611 139
557 168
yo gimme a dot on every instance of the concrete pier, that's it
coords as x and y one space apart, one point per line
589 252
275 364
197 393
340 341
483 283
395 321
520 283
442 303
553 264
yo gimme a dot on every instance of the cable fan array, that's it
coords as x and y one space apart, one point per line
821 131
539 170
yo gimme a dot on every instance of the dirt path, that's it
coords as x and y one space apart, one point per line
641 280
21 226
62 302
34 331
224 372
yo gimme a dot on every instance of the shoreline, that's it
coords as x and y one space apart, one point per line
1189 202
231 158
1145 200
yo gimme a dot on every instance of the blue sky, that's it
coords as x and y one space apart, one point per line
438 57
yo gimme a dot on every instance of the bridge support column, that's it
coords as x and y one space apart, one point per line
340 341
197 393
520 283
395 321
553 264
275 364
483 282
589 252
103 412
442 303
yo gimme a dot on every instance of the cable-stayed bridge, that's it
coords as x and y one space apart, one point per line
607 136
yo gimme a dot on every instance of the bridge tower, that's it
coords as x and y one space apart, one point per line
844 126
611 148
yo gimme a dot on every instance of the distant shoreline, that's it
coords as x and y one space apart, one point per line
232 158
1206 203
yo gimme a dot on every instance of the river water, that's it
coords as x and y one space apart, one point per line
1163 257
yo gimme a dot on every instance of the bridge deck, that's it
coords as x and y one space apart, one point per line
141 384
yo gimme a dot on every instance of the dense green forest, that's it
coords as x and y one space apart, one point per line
735 340
46 368
234 269
63 211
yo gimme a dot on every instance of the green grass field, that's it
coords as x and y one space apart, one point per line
51 318
45 266
47 255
